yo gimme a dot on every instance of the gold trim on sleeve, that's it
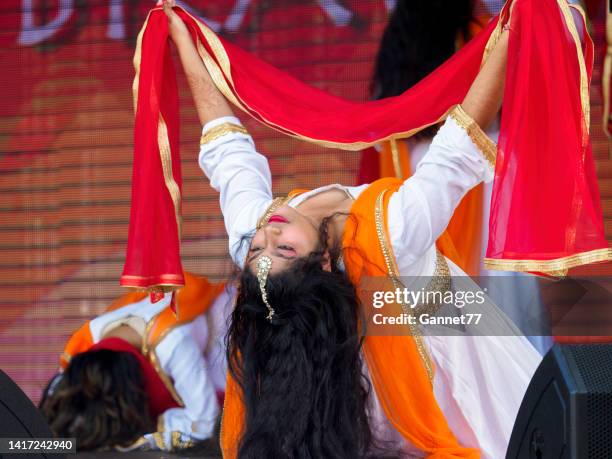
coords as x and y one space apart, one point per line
557 266
136 61
487 147
220 131
177 442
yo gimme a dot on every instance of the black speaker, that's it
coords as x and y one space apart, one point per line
19 418
567 409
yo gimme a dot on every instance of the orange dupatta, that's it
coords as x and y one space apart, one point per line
399 366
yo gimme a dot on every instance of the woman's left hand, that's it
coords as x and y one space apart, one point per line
176 26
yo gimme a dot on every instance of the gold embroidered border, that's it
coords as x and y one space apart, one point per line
487 147
607 71
584 80
220 131
165 333
276 203
555 266
221 75
494 37
440 282
565 10
162 135
158 288
165 379
397 166
168 277
149 352
216 74
166 160
137 60
167 286
394 276
177 442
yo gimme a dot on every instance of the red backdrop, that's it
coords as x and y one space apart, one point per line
66 147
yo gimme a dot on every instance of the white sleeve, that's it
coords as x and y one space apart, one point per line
479 384
242 177
182 360
422 207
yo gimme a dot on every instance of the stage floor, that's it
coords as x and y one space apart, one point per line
143 455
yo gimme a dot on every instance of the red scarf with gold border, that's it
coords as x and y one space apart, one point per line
545 211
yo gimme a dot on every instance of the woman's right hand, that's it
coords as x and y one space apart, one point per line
176 26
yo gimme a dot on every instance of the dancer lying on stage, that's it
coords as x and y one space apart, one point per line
298 384
139 376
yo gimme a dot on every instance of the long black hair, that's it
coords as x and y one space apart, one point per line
420 35
100 400
302 377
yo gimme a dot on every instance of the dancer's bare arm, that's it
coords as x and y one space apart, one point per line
484 98
210 103
235 169
452 166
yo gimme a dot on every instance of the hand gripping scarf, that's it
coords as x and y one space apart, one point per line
545 210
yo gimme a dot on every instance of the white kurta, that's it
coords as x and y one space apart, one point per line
518 294
479 381
181 355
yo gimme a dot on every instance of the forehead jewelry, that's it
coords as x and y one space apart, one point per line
264 263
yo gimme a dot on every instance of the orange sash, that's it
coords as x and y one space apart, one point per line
395 364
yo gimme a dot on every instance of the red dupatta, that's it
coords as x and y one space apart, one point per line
545 210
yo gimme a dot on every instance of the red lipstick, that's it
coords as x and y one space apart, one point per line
277 219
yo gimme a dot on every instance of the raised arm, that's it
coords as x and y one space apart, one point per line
484 98
210 103
460 157
227 152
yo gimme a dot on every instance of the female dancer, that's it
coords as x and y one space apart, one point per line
304 382
136 376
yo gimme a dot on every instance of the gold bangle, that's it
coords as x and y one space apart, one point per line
220 131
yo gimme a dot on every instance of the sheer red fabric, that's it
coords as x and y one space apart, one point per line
153 250
545 213
545 208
